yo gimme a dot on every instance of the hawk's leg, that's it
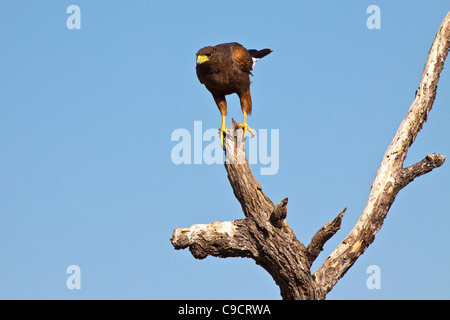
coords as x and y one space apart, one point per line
246 107
222 105
245 126
223 130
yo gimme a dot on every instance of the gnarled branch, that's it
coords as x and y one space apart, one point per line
391 177
264 234
220 239
326 232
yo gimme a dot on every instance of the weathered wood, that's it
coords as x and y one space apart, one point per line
323 235
264 234
245 186
279 213
391 177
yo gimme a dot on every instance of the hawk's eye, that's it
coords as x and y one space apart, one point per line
209 55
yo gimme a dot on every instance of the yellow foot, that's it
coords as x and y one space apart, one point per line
246 127
223 132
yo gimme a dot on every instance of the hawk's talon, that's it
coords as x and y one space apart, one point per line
246 127
223 132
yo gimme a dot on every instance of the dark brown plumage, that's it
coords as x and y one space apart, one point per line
225 69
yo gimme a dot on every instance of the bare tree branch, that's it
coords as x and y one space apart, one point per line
245 186
220 239
391 177
279 213
264 234
323 235
431 161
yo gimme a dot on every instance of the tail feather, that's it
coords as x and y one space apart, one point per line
258 54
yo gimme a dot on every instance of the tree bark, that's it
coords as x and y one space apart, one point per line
265 236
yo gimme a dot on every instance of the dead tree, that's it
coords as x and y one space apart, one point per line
264 234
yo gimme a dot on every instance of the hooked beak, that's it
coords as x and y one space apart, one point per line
201 59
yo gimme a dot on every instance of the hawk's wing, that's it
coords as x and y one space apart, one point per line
243 59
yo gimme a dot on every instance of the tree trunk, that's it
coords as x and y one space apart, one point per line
264 234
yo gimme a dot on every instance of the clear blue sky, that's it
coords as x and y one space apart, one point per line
86 118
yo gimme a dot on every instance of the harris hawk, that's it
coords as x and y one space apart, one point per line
225 69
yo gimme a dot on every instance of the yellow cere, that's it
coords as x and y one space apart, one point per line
202 58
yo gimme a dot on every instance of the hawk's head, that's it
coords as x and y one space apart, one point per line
204 54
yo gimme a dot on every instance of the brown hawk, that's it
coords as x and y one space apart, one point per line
225 69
